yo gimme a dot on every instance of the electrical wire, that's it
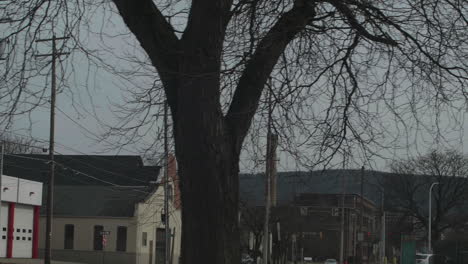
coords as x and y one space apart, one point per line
77 173
95 157
90 156
97 137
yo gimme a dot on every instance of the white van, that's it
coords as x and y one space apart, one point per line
431 259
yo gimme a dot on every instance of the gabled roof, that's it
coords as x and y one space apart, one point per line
89 185
119 170
96 201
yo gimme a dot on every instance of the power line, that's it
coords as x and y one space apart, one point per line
26 156
87 155
92 133
101 169
75 171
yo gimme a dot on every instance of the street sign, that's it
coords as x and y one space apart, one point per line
360 236
104 241
335 211
303 210
104 235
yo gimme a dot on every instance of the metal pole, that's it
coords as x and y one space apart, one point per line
429 246
302 254
293 248
266 236
50 186
361 243
2 153
355 235
166 188
382 238
342 215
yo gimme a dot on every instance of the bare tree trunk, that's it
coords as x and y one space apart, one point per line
208 168
210 230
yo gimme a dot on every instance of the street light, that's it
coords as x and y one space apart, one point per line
430 218
3 44
2 47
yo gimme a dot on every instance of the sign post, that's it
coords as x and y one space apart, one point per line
104 235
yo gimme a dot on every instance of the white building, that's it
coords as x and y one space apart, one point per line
95 222
19 217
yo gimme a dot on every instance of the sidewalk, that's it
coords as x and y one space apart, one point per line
31 261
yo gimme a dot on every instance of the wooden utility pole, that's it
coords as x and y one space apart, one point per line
166 189
272 142
266 236
50 185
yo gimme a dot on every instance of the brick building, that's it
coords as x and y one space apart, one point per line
310 226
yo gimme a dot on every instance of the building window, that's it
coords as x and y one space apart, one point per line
121 238
144 239
303 210
69 236
98 237
169 192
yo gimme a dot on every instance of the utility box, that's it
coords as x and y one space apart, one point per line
408 250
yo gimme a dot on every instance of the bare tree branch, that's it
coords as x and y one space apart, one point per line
246 97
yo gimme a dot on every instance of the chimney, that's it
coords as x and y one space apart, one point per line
272 166
172 173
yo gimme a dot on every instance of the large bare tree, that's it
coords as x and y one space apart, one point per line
340 73
407 190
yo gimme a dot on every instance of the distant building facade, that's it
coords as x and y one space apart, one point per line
318 223
311 227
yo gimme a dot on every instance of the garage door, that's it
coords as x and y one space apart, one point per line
23 231
3 229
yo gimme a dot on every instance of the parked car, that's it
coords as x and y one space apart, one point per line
247 259
422 258
330 261
308 259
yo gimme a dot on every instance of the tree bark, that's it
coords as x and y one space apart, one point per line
208 162
208 169
209 223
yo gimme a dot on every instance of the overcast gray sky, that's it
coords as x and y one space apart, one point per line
93 90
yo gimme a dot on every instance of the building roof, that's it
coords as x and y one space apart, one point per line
96 201
85 185
82 169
